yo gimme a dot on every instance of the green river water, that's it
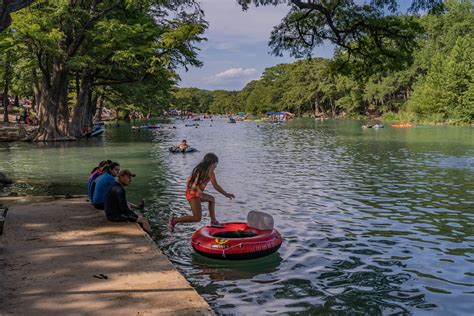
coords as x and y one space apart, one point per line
374 221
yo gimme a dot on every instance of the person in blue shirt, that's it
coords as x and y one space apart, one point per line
96 173
103 185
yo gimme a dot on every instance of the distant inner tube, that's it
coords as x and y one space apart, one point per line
175 150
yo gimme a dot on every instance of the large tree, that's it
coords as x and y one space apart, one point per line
55 32
372 35
94 46
6 8
130 60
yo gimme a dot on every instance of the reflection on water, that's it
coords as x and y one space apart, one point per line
374 221
221 270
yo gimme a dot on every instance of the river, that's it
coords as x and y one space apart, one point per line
374 221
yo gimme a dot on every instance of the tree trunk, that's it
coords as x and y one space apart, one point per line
93 108
81 118
316 105
5 101
36 90
47 115
53 112
78 85
62 93
7 77
333 107
127 116
99 104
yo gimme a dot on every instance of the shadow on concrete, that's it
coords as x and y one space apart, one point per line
65 257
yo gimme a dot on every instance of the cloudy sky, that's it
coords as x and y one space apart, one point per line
236 51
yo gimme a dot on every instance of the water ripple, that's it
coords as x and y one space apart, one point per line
374 222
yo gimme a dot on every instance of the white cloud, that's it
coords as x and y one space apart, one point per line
234 73
232 77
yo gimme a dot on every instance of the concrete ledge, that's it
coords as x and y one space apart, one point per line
64 257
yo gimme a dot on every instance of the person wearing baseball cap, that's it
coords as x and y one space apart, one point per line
126 172
140 206
117 209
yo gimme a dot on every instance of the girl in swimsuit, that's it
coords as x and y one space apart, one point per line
200 177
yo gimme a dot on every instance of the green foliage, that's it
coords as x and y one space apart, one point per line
222 101
370 36
400 117
309 85
142 52
445 93
404 66
438 86
130 50
191 99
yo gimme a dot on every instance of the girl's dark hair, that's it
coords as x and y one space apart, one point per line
105 162
111 166
201 171
101 164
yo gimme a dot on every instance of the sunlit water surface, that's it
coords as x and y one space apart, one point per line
374 221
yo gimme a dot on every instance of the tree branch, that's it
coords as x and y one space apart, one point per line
89 24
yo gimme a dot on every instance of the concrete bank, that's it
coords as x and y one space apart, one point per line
63 257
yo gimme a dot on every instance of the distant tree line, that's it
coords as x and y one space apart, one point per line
437 85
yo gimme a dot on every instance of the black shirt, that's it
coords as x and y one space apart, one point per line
116 207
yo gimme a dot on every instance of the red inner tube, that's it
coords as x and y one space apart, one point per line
235 241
